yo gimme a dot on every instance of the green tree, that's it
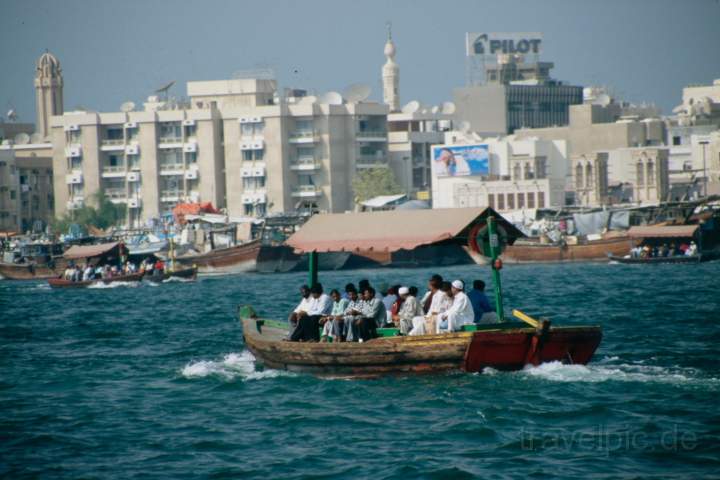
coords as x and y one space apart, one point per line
105 215
371 182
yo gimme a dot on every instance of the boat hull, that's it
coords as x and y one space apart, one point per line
32 271
62 283
703 257
499 348
592 251
184 274
236 259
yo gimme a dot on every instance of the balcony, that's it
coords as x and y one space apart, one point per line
171 195
112 144
113 171
170 142
116 194
306 191
371 161
172 169
305 164
303 136
371 136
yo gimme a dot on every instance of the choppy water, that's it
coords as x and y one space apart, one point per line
154 382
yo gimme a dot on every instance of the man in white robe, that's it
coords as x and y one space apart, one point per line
460 313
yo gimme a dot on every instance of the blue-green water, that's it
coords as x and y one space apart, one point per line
154 382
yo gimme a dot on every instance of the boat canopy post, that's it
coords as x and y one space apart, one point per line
312 268
494 244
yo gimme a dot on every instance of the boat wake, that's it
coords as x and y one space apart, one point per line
114 285
608 370
232 366
178 280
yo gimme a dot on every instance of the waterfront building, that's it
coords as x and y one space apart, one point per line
518 174
517 93
590 179
236 143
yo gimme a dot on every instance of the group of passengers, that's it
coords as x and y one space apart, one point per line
355 315
661 251
88 272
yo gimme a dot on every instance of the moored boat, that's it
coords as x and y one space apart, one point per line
594 250
33 261
234 259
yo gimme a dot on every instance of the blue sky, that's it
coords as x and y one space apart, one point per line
113 51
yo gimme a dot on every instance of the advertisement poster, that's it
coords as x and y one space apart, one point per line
458 160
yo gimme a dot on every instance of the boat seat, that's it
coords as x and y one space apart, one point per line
388 332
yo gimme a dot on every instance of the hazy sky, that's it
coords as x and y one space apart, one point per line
113 51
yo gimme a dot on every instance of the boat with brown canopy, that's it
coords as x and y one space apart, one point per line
100 254
508 345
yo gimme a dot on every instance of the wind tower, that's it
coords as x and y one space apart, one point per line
48 92
391 75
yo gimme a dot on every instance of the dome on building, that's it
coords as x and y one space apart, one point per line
48 64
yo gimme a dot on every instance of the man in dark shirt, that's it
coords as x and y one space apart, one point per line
481 304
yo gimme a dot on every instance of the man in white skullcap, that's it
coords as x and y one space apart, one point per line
460 313
409 309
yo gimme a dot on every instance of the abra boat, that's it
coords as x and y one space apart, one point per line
532 251
508 345
235 259
33 261
655 236
502 346
62 283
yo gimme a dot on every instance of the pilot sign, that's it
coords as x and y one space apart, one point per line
493 44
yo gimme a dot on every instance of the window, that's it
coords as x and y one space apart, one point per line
170 159
250 155
191 157
650 173
190 131
491 200
516 172
588 175
511 201
579 176
677 140
639 171
249 209
170 131
303 125
541 167
253 183
531 200
252 129
12 194
134 162
529 173
541 199
114 133
306 153
521 200
501 201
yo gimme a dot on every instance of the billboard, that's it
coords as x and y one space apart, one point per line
493 44
458 160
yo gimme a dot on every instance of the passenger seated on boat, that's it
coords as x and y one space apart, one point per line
68 273
159 267
390 297
482 310
308 327
301 309
77 274
348 287
353 312
434 285
373 315
88 273
441 301
692 249
409 309
460 312
333 324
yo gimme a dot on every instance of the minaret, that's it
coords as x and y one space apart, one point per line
391 75
48 92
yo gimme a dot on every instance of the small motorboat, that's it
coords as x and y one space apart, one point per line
63 283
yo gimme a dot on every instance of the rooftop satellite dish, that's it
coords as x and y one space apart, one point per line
357 93
435 109
603 99
448 108
165 87
127 107
411 107
36 138
12 115
331 98
309 100
22 139
464 127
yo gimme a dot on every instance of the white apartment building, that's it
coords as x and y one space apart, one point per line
521 174
236 143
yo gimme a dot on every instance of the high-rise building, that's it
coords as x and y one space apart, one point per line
48 92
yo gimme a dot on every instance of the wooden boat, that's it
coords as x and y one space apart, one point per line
700 257
62 283
503 346
40 261
235 259
184 274
657 236
596 250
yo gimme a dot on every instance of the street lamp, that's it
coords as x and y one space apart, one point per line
704 143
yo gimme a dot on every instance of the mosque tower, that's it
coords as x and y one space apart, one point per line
391 75
48 92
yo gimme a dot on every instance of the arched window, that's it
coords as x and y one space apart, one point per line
650 173
588 175
579 176
640 173
516 172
